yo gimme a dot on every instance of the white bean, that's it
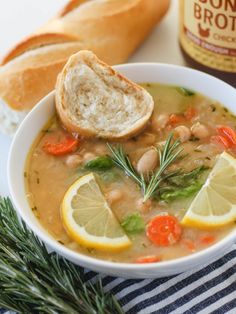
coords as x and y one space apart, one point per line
73 161
147 162
114 196
183 133
160 121
199 130
88 156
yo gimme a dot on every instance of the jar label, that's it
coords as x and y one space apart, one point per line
211 25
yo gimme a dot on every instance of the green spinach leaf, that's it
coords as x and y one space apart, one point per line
186 179
100 163
133 224
175 193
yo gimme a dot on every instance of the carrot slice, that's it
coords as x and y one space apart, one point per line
164 230
207 240
228 133
190 113
220 141
148 259
175 119
65 146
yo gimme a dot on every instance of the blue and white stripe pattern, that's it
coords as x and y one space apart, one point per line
209 289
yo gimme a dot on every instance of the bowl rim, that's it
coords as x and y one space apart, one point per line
92 261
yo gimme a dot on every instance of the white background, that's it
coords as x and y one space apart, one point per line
18 18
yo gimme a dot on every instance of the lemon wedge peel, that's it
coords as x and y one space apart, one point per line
79 233
206 213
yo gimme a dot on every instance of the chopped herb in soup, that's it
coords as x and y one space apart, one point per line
164 194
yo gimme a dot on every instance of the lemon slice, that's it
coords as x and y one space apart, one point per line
215 203
89 220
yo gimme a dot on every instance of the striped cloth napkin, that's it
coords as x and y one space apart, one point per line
209 289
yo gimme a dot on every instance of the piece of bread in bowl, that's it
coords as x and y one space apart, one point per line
94 100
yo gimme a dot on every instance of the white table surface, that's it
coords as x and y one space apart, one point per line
18 18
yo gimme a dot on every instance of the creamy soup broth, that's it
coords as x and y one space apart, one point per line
48 177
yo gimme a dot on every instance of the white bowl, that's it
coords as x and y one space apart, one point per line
35 121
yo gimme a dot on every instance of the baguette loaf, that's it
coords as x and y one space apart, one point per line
93 100
112 29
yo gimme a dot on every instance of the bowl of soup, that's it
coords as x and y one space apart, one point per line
169 215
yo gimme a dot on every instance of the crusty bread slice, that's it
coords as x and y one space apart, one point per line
95 101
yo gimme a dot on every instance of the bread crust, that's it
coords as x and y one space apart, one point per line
37 41
62 106
73 4
111 29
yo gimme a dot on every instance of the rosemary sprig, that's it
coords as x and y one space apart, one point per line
167 155
34 281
